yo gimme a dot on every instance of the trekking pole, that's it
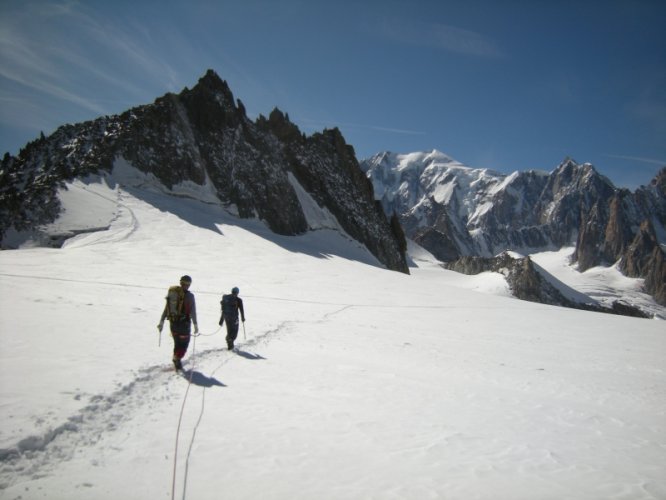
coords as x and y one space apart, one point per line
159 342
244 336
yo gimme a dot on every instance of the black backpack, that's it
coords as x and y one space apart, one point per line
229 306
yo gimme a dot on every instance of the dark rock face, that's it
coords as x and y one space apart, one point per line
644 259
525 282
454 211
619 234
587 250
441 237
655 276
201 135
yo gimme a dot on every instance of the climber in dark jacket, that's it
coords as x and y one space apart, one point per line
231 305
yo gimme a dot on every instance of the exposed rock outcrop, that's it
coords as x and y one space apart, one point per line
202 135
527 282
645 259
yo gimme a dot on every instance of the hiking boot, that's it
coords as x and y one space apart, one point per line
177 364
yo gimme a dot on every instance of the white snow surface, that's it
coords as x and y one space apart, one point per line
349 381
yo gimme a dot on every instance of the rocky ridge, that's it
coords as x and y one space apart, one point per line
202 135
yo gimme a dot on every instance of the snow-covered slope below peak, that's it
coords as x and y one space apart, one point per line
604 284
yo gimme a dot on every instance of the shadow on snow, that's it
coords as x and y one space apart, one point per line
320 243
198 378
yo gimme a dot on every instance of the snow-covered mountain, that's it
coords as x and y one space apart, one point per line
456 211
203 138
201 141
350 381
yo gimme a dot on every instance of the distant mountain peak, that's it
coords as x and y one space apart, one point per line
436 155
455 211
211 89
212 80
659 181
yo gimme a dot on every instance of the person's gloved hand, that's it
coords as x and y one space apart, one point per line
196 329
160 326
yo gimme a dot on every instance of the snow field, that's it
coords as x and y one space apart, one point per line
353 383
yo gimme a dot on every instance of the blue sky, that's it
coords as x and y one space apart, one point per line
506 84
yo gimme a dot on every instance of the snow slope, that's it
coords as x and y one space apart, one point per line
604 285
350 381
